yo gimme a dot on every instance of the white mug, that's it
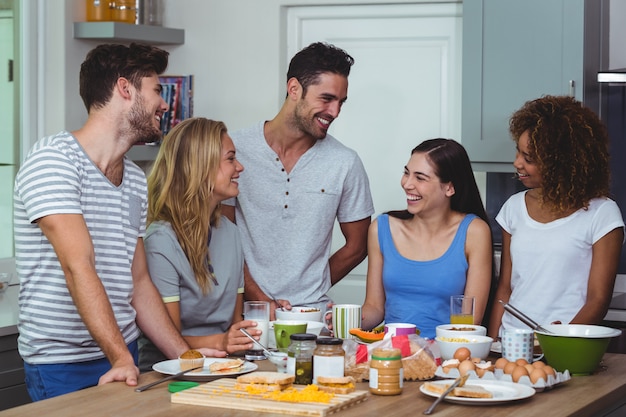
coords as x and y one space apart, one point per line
518 344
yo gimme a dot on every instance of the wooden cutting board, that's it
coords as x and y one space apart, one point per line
223 393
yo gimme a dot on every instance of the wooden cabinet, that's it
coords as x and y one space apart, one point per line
12 387
514 51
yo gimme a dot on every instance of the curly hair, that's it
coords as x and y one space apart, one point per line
570 146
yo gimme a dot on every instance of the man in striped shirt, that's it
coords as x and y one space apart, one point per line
80 217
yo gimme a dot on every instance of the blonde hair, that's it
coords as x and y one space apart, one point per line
180 188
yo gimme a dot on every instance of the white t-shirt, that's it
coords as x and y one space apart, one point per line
551 261
286 219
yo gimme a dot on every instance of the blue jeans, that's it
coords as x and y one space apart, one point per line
50 380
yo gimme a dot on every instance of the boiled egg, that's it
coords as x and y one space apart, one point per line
501 363
462 354
537 374
518 373
466 366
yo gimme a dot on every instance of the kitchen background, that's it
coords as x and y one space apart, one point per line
408 84
423 69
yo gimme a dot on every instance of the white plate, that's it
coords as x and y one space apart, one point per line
172 367
502 392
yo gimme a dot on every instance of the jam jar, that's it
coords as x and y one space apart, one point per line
328 358
300 357
386 373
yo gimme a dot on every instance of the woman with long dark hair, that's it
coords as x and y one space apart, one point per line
439 246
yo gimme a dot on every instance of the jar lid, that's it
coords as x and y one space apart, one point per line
329 341
386 354
303 336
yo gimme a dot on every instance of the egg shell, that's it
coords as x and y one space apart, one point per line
538 364
476 360
518 372
521 361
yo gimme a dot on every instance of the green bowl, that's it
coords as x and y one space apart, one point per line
577 348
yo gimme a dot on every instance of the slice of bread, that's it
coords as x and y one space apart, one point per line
472 391
336 385
266 377
226 366
468 391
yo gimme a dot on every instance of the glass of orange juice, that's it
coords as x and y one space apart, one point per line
461 309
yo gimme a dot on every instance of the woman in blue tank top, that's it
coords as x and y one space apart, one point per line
439 246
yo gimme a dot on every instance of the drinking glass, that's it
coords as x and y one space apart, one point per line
461 309
258 311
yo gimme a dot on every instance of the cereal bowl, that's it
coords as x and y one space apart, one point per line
458 330
479 346
300 313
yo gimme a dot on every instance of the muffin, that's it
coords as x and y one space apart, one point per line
191 359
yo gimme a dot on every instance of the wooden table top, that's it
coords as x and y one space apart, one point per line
580 396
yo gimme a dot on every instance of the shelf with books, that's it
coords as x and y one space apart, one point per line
178 94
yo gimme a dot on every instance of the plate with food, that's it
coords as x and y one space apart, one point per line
478 392
213 368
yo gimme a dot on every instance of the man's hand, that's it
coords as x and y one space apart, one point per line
126 373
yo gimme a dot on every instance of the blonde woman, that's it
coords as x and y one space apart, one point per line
194 254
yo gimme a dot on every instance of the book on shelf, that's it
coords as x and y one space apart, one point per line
178 93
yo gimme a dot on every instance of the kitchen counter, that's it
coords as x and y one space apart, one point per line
9 310
581 396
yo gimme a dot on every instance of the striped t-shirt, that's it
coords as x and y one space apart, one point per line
58 177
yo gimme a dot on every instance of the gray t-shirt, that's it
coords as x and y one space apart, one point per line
286 219
58 177
173 276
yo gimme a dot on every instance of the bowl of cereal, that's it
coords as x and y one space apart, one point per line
479 346
300 313
457 330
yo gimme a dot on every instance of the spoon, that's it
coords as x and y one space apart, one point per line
256 342
524 318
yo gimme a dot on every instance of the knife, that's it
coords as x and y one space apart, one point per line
167 378
459 382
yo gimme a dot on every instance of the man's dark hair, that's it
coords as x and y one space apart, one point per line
105 64
317 58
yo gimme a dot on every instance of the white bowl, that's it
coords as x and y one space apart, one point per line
479 346
458 330
300 313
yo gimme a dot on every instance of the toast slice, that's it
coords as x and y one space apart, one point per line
468 391
336 385
265 378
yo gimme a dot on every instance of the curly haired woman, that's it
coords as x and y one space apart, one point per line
561 238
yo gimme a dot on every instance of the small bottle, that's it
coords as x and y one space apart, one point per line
328 358
300 357
386 373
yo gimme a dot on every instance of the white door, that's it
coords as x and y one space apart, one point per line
405 87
